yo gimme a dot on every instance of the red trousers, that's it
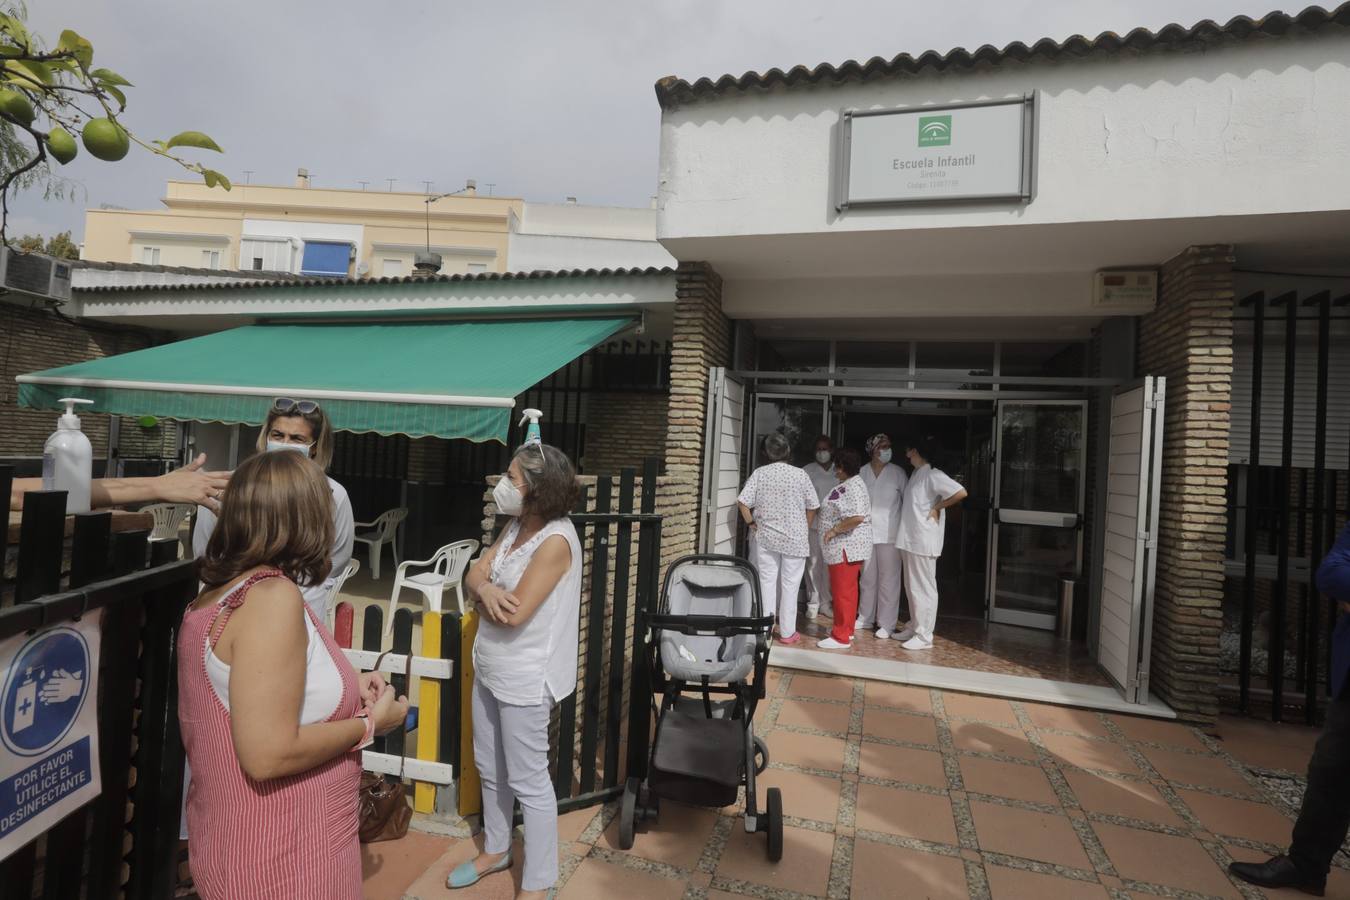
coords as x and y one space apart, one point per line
844 589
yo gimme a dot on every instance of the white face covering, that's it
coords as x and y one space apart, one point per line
507 497
823 457
884 455
273 446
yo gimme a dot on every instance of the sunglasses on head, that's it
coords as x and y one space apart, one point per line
285 406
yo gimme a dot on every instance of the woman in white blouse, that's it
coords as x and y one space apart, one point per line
923 524
528 587
778 503
845 530
879 603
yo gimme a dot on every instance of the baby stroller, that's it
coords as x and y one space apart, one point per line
709 638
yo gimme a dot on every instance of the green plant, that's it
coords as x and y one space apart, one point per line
48 94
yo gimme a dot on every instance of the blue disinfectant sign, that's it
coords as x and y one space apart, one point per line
48 728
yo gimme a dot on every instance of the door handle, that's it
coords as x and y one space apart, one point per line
1037 517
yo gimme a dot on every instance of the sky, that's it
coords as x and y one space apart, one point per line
541 99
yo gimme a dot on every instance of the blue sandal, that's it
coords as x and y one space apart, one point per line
467 874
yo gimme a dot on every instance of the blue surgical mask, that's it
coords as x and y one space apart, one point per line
273 446
885 455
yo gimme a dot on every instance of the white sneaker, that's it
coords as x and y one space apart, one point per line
903 634
883 634
917 643
812 610
860 625
830 643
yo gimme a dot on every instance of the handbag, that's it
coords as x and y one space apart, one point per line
383 804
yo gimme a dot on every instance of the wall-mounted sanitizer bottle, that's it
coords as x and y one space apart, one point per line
68 460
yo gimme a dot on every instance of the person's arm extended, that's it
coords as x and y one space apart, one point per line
547 567
186 485
264 644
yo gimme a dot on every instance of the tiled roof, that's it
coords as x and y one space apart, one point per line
299 281
239 274
672 91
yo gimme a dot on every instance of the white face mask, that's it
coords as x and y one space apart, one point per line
273 446
507 497
823 457
884 455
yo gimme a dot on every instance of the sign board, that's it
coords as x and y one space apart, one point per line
48 728
932 154
1126 290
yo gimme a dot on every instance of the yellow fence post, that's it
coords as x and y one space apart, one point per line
428 712
470 788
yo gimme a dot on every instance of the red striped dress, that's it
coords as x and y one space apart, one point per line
291 838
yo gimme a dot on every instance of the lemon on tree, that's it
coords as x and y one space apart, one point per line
61 145
16 106
105 139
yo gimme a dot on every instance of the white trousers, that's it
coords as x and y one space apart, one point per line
510 748
818 572
922 590
879 588
780 578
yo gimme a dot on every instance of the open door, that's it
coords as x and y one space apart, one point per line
723 450
1129 559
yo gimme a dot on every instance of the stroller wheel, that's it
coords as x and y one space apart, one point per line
628 813
774 813
761 756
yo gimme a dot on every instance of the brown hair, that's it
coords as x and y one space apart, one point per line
849 460
322 448
277 511
551 479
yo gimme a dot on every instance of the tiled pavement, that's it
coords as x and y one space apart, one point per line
896 791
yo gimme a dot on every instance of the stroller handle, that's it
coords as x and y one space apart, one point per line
757 604
713 625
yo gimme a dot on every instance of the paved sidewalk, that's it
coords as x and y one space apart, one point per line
896 791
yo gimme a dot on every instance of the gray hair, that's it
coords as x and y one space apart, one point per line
551 478
776 447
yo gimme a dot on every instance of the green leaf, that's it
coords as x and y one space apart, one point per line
28 73
108 76
193 139
16 30
75 45
121 97
215 179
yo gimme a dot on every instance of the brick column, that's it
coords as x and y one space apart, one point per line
701 340
1189 340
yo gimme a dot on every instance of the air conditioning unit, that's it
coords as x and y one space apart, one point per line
35 274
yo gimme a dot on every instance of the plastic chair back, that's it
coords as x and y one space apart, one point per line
168 519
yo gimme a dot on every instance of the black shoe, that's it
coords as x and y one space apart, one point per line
1279 872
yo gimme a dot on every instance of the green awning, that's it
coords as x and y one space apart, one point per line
450 379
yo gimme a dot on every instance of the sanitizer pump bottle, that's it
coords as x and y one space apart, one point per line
532 433
68 460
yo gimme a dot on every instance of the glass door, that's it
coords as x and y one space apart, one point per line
800 417
1037 535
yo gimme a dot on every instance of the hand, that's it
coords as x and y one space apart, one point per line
497 604
935 514
191 485
372 686
61 687
388 713
830 535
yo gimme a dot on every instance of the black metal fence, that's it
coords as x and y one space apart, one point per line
1287 500
141 588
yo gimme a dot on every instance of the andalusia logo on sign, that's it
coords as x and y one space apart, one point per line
935 131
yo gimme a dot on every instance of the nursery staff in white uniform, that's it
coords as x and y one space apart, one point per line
528 587
879 600
779 504
923 524
821 473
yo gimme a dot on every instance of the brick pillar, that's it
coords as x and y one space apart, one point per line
1189 340
701 340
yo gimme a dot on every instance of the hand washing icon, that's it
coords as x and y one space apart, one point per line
46 687
57 687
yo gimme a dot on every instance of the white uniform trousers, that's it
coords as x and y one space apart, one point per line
510 747
922 589
780 578
879 588
818 572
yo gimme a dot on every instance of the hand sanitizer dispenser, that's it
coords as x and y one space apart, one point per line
532 433
68 460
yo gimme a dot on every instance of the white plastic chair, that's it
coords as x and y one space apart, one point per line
445 571
385 532
169 519
353 566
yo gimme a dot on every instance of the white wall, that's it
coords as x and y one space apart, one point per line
1255 127
560 237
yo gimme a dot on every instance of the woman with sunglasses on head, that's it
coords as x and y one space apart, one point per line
300 426
528 588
